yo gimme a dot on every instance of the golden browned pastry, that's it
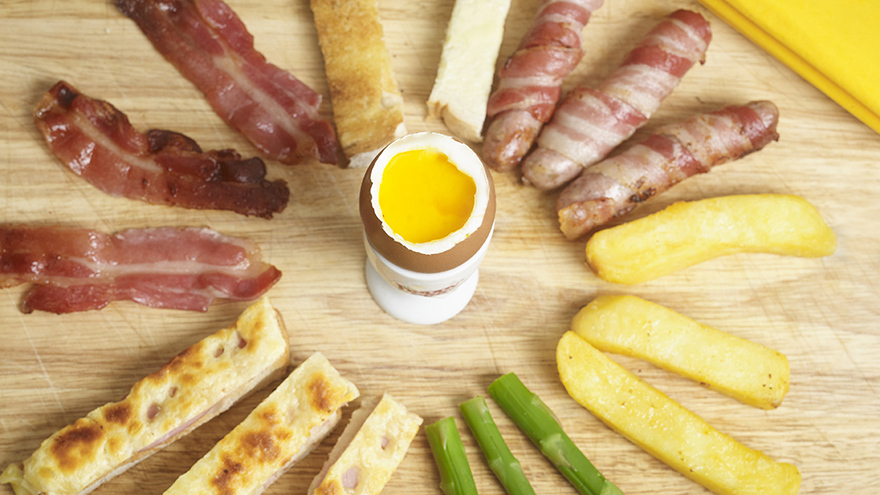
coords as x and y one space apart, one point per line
192 388
285 427
369 450
367 104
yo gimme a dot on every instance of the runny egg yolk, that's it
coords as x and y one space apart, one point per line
425 197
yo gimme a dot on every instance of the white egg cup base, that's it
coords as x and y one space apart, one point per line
386 282
416 309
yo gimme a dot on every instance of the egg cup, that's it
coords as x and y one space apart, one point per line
430 282
424 299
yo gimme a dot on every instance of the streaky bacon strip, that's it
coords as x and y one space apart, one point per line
210 46
530 81
98 143
590 123
165 267
617 185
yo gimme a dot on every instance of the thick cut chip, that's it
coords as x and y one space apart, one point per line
749 372
685 234
665 429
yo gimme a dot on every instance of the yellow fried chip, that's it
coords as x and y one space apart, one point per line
665 429
685 234
749 372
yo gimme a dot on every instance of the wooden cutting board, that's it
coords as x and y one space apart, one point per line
822 313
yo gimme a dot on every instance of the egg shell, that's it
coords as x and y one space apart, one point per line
404 257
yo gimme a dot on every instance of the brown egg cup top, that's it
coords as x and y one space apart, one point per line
406 258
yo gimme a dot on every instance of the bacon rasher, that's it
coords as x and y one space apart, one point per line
617 185
210 46
530 82
166 267
590 123
97 142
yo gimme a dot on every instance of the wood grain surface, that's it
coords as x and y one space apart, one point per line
822 313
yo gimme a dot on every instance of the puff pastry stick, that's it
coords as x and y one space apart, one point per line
194 387
283 429
369 450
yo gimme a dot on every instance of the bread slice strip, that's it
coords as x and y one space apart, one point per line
467 66
281 430
367 104
194 387
369 450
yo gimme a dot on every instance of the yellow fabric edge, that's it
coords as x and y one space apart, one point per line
767 42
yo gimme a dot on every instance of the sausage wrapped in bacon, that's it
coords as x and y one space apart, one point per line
531 79
675 152
590 123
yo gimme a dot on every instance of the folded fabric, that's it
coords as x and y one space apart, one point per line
833 45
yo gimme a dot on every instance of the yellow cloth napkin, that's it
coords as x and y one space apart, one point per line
833 44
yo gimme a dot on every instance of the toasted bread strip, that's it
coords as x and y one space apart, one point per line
467 66
284 428
369 450
367 104
192 388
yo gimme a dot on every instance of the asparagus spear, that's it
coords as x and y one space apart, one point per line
455 472
537 421
506 468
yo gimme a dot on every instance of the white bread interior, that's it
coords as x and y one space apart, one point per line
467 66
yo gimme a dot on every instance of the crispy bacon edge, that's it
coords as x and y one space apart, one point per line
98 143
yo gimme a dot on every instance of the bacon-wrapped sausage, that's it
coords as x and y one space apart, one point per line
590 123
531 79
615 186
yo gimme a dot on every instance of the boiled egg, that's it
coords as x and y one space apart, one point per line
427 202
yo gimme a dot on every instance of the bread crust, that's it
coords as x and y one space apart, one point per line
367 104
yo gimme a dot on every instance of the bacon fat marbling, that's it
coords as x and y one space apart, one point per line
78 269
210 46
